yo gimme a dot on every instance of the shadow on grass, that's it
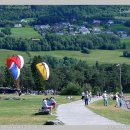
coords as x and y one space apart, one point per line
40 113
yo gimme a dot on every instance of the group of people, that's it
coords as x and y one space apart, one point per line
86 96
48 103
118 97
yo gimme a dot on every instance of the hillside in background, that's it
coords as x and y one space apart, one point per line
52 14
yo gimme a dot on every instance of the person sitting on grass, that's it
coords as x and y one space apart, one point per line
46 106
52 102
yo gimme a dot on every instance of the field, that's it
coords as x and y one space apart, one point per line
127 42
122 18
119 27
102 56
25 32
111 111
22 112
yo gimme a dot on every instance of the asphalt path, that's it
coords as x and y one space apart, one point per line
75 113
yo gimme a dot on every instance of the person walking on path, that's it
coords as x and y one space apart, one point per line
105 98
83 93
86 98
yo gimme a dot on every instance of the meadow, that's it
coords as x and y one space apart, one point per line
22 112
111 112
102 56
127 42
24 32
119 27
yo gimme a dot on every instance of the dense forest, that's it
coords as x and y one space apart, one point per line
52 14
35 15
70 76
68 42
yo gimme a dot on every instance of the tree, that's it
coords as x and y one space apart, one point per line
36 77
85 50
72 89
6 31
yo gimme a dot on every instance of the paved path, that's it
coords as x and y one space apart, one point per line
75 113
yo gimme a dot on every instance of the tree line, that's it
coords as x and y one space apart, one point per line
43 14
68 42
70 76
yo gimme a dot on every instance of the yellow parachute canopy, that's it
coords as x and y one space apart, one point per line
43 70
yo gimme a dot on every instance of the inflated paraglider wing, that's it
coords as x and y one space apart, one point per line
18 60
14 64
43 70
15 71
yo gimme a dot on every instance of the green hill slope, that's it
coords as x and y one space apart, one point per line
102 56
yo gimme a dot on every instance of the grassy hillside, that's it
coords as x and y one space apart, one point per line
103 56
25 32
119 27
122 18
127 42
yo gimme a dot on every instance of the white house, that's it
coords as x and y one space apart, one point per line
96 30
110 22
24 21
97 22
18 25
84 30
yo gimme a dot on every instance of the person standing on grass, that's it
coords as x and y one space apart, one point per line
117 100
90 96
86 97
120 100
105 99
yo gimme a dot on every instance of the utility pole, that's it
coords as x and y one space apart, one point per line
120 78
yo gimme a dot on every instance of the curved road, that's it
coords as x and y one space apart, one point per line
75 113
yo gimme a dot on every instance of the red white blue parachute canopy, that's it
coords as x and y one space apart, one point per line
14 64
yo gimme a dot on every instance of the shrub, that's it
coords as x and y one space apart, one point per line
72 89
2 34
85 50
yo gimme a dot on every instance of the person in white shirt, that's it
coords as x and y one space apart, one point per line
90 96
46 106
117 100
83 93
105 98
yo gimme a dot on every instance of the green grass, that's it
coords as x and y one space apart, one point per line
127 42
111 112
119 27
25 32
4 54
23 111
122 18
102 56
